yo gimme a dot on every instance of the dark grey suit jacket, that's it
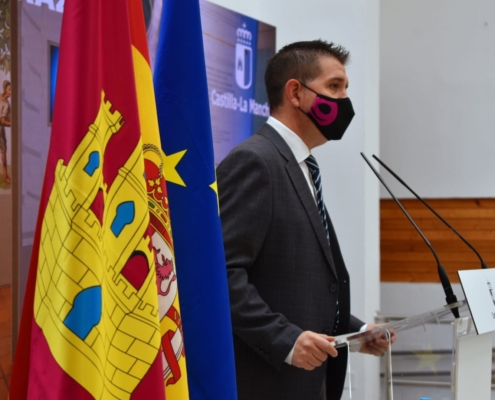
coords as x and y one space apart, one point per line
284 277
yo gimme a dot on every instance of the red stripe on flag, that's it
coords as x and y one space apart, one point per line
50 381
138 28
147 388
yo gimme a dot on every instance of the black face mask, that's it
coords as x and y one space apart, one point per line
331 116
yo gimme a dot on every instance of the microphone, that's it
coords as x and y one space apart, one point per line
450 297
483 264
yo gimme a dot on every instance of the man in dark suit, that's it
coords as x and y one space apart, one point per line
289 287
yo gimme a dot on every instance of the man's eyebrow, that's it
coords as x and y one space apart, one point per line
340 80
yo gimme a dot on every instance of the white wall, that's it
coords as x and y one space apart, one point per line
438 95
350 192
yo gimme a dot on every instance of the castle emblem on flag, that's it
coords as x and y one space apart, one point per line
95 296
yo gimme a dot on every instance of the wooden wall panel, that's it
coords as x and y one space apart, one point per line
406 258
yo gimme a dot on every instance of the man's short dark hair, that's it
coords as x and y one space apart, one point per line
299 61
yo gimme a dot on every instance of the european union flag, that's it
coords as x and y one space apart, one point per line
185 129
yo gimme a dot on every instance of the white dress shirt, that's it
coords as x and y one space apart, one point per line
298 147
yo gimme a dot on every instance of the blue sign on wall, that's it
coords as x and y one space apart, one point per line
237 49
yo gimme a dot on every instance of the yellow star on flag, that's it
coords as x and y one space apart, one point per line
169 167
214 186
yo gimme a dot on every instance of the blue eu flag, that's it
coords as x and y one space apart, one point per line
185 129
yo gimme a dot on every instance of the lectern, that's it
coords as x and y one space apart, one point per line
471 353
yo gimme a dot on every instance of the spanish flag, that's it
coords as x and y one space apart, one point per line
101 290
172 354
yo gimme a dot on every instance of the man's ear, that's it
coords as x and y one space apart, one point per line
293 89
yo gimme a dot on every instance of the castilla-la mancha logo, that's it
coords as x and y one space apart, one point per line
244 58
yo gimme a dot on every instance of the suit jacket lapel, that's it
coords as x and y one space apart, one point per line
302 190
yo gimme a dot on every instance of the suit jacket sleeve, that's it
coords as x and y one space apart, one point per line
245 206
355 324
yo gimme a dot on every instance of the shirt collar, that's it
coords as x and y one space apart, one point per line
295 143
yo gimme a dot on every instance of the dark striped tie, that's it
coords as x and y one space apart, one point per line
314 170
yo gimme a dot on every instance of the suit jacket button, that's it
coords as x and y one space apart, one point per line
333 288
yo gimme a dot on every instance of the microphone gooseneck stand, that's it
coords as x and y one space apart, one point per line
450 297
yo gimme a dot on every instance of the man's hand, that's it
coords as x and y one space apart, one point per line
312 349
380 344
